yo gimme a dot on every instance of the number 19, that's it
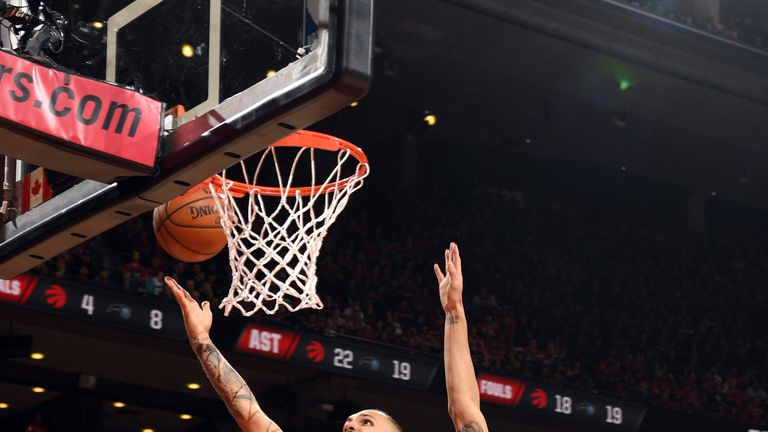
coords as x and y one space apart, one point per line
613 414
402 370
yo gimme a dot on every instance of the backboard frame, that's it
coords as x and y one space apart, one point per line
134 10
328 80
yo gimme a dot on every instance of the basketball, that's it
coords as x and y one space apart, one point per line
188 227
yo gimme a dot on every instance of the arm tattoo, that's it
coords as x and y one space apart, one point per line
472 426
452 319
228 384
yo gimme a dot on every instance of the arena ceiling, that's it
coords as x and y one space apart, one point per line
543 78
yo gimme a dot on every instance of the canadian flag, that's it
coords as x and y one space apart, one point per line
34 190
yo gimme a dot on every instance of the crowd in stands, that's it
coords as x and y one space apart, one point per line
614 297
742 21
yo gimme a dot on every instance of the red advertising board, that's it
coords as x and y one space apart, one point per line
500 390
71 116
18 289
268 342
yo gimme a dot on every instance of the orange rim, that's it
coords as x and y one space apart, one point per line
300 139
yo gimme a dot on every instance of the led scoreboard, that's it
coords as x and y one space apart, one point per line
85 303
559 402
339 355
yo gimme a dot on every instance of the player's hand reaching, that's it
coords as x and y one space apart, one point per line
197 319
228 383
451 284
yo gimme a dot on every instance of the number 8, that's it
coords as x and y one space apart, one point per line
156 319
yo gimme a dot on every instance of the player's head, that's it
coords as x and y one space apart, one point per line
371 420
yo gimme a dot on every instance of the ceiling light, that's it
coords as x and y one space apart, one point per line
147 430
97 25
38 390
185 416
430 119
354 104
271 73
624 85
37 356
187 51
4 405
119 404
193 386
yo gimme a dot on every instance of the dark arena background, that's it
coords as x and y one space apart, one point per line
603 165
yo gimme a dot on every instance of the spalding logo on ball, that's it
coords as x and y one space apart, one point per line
188 227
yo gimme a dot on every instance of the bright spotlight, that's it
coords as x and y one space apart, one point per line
187 51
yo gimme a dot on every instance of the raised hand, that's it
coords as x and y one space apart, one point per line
460 382
197 319
450 284
230 386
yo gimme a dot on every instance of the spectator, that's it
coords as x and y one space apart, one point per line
154 284
600 295
484 303
133 273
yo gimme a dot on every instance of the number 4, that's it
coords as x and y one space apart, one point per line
87 303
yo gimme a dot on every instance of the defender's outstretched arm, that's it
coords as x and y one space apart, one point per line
228 383
460 381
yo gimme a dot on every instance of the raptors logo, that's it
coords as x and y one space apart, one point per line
539 398
56 296
315 351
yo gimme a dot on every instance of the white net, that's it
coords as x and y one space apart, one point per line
275 234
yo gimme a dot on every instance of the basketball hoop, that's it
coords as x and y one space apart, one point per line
275 234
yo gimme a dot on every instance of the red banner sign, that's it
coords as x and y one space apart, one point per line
500 390
18 289
92 116
268 342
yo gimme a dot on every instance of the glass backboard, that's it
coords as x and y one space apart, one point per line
246 74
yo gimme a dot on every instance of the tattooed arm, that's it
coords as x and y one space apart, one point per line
463 394
232 389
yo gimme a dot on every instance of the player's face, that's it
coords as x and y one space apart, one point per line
368 421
